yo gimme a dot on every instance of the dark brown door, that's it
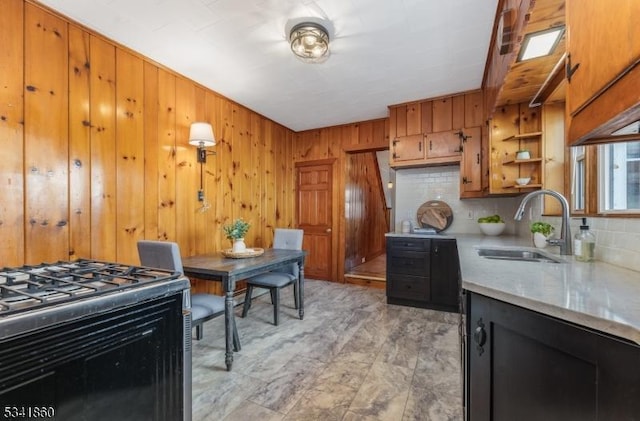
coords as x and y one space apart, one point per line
314 216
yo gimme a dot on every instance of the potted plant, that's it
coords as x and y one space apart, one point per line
235 232
541 232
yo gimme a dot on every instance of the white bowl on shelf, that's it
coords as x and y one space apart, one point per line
492 228
523 181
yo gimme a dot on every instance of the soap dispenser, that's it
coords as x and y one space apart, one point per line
584 244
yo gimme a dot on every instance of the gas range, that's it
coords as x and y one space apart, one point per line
63 291
96 340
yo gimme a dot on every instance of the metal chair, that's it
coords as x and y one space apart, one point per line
290 239
166 255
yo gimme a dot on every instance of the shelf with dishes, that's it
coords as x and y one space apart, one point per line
524 186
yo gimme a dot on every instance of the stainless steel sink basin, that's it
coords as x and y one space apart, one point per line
521 254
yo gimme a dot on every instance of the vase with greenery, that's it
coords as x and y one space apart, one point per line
541 232
235 232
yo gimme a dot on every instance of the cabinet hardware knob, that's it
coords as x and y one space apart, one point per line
480 336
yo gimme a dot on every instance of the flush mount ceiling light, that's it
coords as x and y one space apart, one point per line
541 43
310 42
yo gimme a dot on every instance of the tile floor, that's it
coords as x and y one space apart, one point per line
353 357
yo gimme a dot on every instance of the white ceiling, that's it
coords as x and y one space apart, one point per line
383 52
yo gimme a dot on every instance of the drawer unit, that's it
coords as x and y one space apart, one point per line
409 244
409 263
423 272
408 271
408 287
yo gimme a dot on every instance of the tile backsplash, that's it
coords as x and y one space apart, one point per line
415 186
617 239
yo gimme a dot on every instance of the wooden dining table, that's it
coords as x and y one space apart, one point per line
218 268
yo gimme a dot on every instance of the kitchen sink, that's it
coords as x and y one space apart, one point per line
521 254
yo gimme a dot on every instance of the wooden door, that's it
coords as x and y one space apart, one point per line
314 216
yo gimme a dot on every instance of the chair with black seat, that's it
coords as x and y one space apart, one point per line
284 238
166 255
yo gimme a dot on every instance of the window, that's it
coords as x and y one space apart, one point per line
619 175
578 166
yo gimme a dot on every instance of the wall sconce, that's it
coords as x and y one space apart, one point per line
390 184
310 42
541 43
201 135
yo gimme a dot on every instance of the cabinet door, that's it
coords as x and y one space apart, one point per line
527 366
445 290
604 39
407 148
471 163
443 144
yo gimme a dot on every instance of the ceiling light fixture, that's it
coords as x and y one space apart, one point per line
541 43
310 42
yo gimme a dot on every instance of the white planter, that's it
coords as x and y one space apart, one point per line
238 245
540 240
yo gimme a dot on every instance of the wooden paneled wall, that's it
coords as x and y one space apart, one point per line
94 152
337 142
366 218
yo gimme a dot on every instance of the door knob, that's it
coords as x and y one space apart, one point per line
328 229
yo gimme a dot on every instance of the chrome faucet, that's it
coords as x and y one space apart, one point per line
565 241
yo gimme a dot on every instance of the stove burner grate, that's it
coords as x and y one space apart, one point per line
39 285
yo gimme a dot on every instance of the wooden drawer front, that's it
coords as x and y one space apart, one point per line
408 287
410 244
408 263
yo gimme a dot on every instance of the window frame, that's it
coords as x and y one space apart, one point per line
593 185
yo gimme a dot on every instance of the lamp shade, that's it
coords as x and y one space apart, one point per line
201 135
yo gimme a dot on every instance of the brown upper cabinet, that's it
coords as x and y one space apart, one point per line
603 68
444 130
428 132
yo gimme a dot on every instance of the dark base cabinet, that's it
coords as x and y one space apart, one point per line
525 366
423 272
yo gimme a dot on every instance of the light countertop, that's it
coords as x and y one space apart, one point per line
597 295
